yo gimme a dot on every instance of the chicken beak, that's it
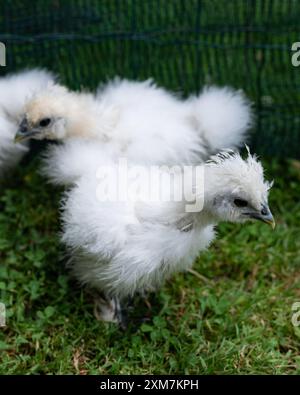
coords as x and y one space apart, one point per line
266 216
19 137
270 221
23 132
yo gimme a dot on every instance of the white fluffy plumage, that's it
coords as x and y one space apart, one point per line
137 120
15 90
122 247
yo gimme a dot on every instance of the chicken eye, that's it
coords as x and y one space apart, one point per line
240 202
45 122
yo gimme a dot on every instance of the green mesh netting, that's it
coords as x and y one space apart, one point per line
183 44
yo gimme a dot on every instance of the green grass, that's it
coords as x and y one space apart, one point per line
234 318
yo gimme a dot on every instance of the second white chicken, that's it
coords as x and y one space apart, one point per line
137 120
15 90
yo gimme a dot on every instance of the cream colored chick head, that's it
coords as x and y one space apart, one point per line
56 114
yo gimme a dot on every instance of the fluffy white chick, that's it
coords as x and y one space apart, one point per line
15 90
123 246
137 120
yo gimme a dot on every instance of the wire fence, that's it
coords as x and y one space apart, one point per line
182 44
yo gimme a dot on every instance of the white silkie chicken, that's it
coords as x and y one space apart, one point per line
123 245
15 90
137 120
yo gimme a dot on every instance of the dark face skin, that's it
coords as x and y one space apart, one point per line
26 132
243 210
263 214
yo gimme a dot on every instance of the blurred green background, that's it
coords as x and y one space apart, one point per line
182 44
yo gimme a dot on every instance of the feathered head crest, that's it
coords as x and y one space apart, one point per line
231 166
